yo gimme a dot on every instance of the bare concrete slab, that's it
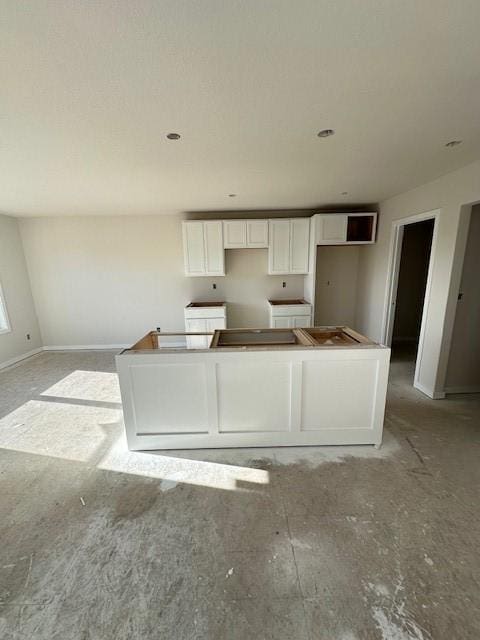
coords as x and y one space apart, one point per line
100 543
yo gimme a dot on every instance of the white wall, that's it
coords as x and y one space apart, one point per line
108 280
463 372
18 296
448 194
336 285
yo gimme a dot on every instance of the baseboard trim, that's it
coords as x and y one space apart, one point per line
467 389
17 359
85 347
434 395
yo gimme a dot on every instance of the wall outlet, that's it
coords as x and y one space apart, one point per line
158 329
28 336
214 286
284 284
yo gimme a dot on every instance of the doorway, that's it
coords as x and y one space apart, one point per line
412 253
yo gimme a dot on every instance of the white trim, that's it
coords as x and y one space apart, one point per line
466 389
435 395
16 359
4 311
86 347
426 303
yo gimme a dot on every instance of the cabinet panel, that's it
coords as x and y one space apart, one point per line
234 234
279 247
299 241
214 252
281 322
193 248
301 321
197 325
257 233
216 323
331 228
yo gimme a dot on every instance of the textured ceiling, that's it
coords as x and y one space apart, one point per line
89 91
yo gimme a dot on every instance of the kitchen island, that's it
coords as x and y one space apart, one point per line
254 388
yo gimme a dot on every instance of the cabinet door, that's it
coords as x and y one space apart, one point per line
282 322
257 234
214 251
193 248
234 234
299 241
196 325
301 321
215 323
332 229
279 246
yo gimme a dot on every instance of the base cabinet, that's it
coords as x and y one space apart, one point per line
292 316
291 322
202 325
204 320
253 398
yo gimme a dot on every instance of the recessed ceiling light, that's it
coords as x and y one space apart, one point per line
453 143
232 195
173 136
325 133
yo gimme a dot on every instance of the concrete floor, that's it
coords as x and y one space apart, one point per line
302 543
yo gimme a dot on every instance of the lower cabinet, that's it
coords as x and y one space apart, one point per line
204 319
290 316
202 325
291 322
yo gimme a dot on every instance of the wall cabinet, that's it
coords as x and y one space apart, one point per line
203 248
287 239
288 246
331 229
245 234
345 228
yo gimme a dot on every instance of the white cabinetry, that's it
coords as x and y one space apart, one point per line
205 319
203 248
257 234
331 229
345 228
288 246
290 316
245 234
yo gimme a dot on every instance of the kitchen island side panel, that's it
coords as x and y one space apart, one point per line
286 397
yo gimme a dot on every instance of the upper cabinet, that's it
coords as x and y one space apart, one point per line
245 234
288 246
203 248
345 228
287 239
331 229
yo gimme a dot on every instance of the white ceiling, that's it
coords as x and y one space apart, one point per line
89 90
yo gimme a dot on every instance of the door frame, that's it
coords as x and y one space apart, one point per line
395 254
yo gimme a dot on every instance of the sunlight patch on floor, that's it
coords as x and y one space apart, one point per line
175 470
101 386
